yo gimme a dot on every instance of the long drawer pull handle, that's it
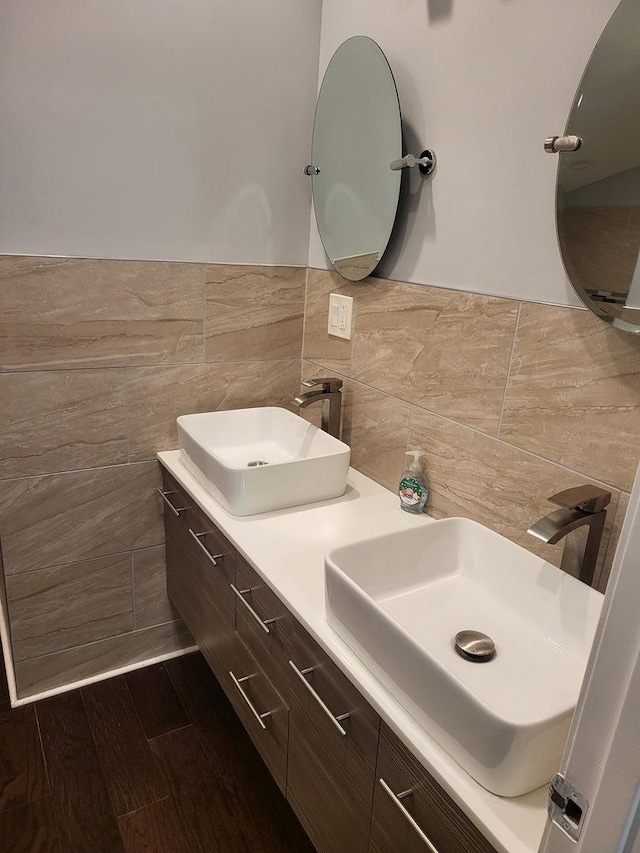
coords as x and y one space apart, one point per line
396 799
212 557
263 623
259 717
301 673
175 510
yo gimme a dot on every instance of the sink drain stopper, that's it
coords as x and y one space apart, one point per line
475 646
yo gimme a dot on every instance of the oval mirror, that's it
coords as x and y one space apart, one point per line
598 191
357 133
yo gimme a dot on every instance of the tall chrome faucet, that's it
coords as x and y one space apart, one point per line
582 506
327 391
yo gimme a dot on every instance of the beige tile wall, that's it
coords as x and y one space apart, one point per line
509 402
97 358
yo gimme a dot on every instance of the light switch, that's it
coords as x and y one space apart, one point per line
340 314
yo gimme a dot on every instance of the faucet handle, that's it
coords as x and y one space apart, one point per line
586 498
330 384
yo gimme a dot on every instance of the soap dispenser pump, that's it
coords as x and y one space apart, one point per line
412 488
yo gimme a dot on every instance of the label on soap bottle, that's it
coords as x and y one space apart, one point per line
410 491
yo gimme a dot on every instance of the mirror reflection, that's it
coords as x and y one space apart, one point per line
356 135
598 194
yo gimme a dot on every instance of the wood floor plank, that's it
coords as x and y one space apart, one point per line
267 822
154 829
30 828
80 798
206 816
157 703
128 767
23 776
210 711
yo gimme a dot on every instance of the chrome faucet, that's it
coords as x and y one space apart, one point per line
331 398
582 506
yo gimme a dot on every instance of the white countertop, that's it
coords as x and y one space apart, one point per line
287 549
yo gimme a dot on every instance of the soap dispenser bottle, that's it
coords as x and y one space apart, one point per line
412 488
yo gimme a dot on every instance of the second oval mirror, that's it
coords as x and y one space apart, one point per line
598 193
357 134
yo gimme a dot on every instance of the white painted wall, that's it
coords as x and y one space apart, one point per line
482 83
156 128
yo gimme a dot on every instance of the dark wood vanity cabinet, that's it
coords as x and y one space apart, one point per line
201 582
340 768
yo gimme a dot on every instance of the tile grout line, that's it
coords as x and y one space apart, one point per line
484 434
304 322
409 427
77 562
99 675
204 315
79 470
133 593
509 366
12 371
127 404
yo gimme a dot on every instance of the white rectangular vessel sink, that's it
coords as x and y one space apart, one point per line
399 600
262 459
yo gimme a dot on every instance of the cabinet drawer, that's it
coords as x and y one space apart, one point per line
199 543
334 690
262 710
210 545
176 500
195 591
329 786
210 542
425 810
333 735
263 622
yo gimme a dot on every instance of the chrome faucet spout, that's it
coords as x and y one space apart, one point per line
555 526
304 400
331 397
583 506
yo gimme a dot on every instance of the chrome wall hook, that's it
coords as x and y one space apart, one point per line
311 170
426 162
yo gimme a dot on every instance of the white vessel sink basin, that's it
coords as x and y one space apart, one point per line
399 600
257 460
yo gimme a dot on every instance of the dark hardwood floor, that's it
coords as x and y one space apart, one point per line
152 762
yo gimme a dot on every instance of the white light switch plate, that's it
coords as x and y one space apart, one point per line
340 314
